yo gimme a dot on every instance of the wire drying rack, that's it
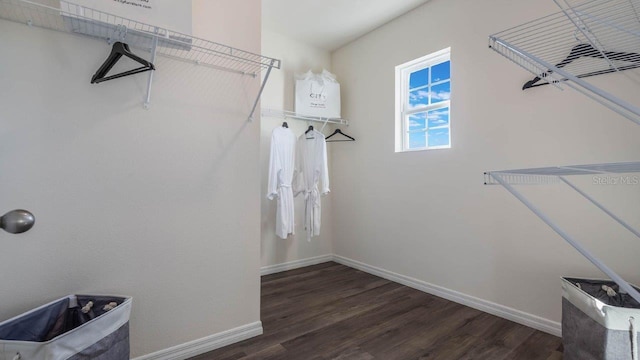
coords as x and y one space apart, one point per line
79 20
601 36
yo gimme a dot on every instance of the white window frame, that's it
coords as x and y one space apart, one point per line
403 112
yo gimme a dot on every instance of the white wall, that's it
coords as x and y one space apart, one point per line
427 214
161 204
296 58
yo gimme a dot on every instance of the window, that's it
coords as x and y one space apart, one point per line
423 103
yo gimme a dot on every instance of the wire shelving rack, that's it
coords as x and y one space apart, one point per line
622 172
602 36
80 20
285 114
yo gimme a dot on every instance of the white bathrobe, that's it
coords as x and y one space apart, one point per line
281 168
311 169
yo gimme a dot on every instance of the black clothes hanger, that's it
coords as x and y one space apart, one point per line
117 51
306 133
285 125
586 50
338 131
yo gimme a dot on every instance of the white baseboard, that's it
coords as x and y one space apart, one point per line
272 269
216 341
206 344
520 317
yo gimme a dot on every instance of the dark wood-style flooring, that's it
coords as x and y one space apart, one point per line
330 311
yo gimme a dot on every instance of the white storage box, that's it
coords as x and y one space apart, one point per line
70 329
318 95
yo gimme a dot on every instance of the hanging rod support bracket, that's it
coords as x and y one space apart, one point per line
625 286
601 207
147 103
264 83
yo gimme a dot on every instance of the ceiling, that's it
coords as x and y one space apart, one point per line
331 24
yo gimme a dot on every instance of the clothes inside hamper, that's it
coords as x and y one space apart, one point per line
594 288
55 319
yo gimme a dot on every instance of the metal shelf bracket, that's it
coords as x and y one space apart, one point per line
508 178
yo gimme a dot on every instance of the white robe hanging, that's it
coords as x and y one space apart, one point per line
311 169
281 168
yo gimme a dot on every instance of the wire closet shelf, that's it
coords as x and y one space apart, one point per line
549 175
285 114
79 20
621 173
599 36
583 39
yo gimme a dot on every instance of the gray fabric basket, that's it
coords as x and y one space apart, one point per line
596 326
60 330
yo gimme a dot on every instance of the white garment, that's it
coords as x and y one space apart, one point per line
311 168
281 167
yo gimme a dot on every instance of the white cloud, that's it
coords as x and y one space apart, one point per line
413 123
417 120
439 117
441 95
419 95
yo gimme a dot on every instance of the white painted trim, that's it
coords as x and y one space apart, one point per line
272 269
216 341
206 344
520 317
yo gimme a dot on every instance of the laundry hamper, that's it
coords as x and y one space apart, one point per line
598 322
77 327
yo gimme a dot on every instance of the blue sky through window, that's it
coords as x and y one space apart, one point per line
418 121
440 92
441 71
422 93
439 117
438 137
425 99
419 78
418 98
417 140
